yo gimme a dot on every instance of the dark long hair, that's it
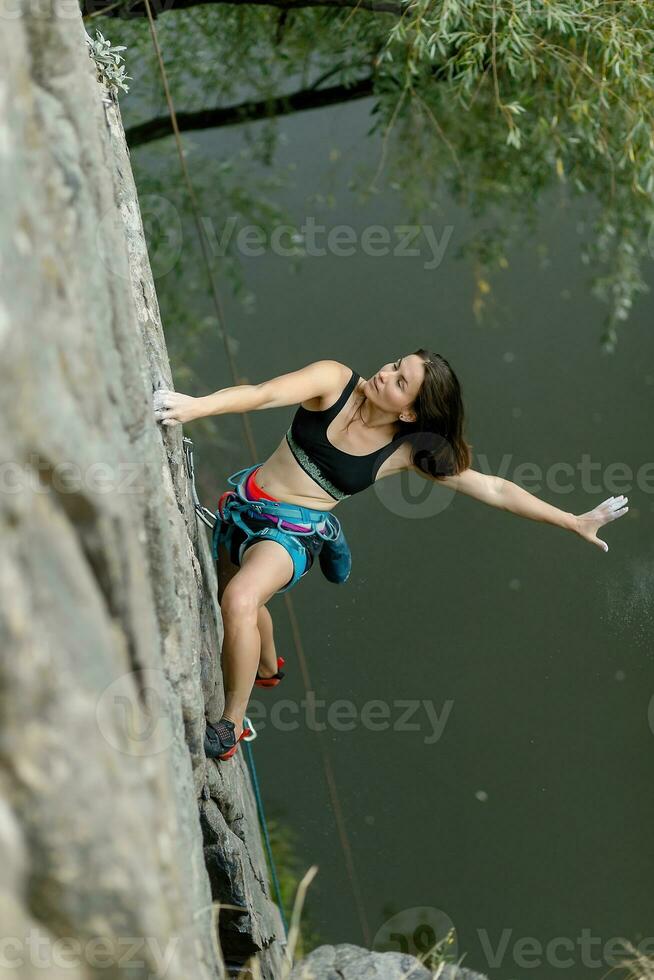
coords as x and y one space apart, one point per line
439 447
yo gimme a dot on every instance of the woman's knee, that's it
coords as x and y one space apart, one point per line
239 601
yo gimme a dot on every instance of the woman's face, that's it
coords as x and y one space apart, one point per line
395 386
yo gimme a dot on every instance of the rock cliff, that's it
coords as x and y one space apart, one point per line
124 847
117 825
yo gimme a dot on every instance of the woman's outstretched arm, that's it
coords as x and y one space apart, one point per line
312 381
501 493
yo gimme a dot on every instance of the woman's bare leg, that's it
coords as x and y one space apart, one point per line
268 661
266 568
268 658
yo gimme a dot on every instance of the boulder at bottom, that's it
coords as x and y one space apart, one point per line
348 962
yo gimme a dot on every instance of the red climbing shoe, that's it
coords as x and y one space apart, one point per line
219 739
275 679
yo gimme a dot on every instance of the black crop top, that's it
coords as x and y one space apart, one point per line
340 474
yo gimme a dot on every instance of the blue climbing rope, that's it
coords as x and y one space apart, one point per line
266 836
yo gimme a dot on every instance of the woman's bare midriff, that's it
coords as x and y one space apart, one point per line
282 477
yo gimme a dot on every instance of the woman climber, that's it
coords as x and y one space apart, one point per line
347 433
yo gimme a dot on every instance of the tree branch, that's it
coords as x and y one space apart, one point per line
136 8
283 105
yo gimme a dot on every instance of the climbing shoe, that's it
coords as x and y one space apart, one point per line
220 741
335 557
271 681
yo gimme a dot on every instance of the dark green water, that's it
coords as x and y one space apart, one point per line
529 814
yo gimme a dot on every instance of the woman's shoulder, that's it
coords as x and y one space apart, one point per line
342 377
336 377
335 372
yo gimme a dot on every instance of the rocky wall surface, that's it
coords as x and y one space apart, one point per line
109 624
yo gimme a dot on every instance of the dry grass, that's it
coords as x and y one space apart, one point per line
252 970
639 966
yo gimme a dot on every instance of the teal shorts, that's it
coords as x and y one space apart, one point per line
241 522
303 549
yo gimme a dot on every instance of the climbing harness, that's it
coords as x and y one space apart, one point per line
322 535
320 522
233 505
255 520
